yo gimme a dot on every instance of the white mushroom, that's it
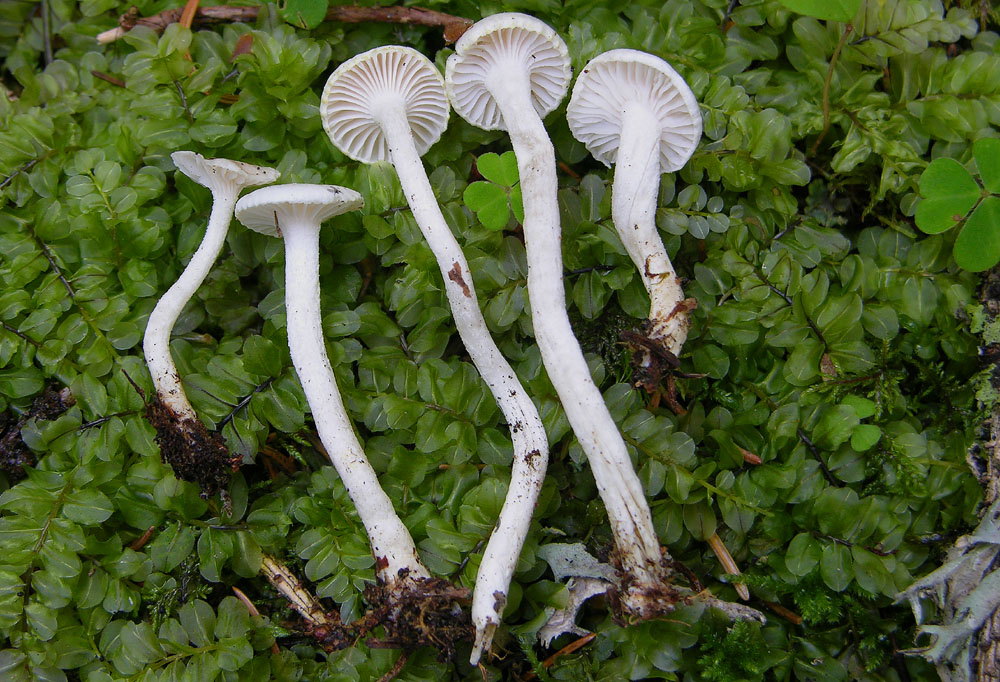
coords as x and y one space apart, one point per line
632 109
294 213
226 179
509 70
390 104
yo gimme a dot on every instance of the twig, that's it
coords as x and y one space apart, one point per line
184 102
453 26
299 598
568 649
826 87
141 541
244 401
253 613
819 458
728 563
46 32
20 334
24 169
568 171
726 18
107 78
787 614
750 457
396 668
188 12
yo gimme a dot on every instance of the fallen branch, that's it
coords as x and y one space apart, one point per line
453 26
299 598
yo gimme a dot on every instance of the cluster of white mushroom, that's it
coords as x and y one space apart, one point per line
391 103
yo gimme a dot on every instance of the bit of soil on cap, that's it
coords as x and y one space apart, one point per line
417 612
195 454
14 454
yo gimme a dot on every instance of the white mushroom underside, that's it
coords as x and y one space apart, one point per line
356 94
609 86
530 44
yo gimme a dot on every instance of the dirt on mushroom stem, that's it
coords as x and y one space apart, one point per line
417 612
193 452
635 599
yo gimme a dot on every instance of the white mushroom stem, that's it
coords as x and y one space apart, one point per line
527 432
225 179
395 554
631 522
156 342
633 210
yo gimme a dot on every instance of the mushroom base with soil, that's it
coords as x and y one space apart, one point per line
191 450
418 612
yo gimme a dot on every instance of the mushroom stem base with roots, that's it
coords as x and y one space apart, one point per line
639 598
417 612
193 452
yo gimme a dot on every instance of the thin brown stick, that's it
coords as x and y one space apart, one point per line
826 87
568 649
396 668
141 541
46 32
453 26
108 78
750 457
289 586
187 14
787 614
728 563
253 612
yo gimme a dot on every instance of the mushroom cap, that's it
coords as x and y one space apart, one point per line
617 79
506 39
362 86
221 173
266 209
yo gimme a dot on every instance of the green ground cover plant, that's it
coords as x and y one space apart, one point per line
831 344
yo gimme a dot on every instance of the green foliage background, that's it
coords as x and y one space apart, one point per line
862 428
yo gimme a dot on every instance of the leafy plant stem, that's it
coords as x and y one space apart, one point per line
72 294
26 167
46 31
819 458
826 87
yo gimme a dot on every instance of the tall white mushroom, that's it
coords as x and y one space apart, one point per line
182 437
632 109
390 104
294 212
508 70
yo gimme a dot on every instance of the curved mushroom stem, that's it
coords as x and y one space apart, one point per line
633 210
527 432
638 548
395 554
156 341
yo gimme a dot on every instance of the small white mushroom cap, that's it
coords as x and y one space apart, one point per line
362 87
266 210
216 174
503 41
617 79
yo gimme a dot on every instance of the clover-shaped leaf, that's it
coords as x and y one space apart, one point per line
987 155
949 192
978 245
494 199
